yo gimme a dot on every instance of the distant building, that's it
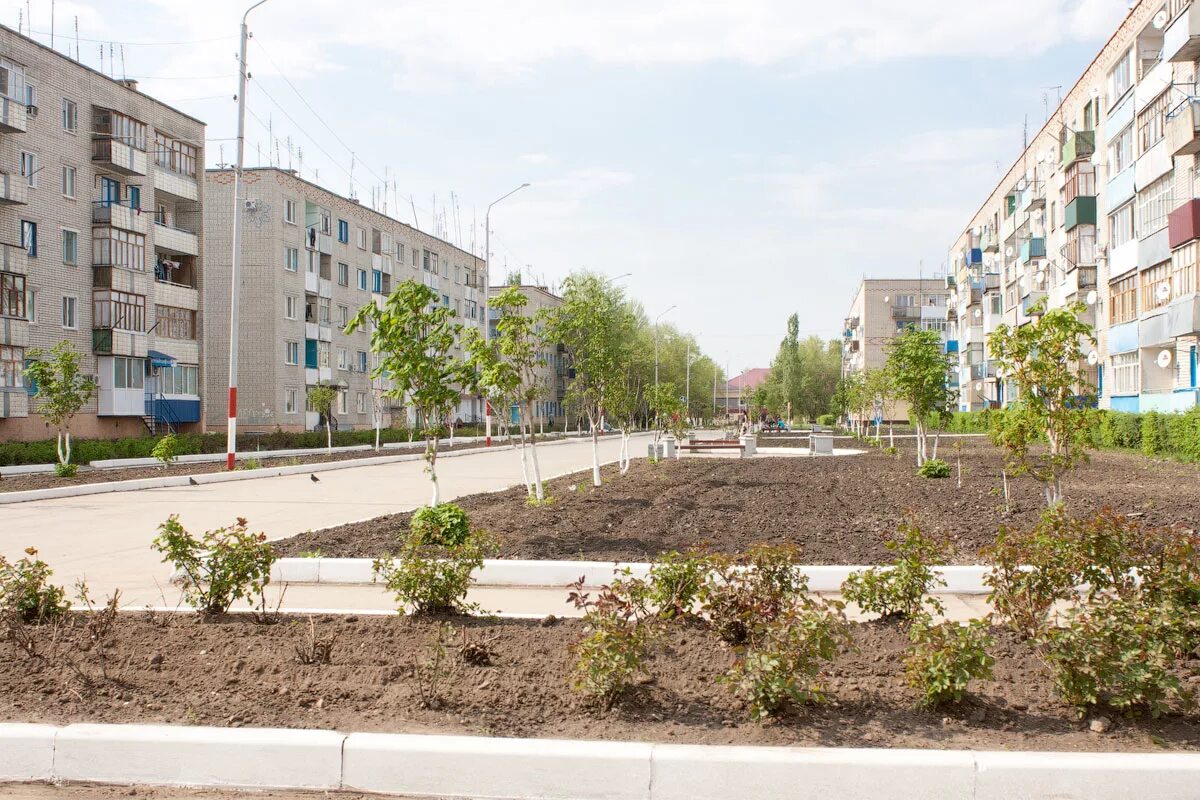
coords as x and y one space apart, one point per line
883 308
553 373
731 395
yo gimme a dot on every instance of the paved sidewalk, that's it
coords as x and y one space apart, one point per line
105 538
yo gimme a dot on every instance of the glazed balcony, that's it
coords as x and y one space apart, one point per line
12 189
906 312
1080 211
1183 224
13 115
119 156
1079 144
174 239
1033 248
1181 39
1183 128
120 216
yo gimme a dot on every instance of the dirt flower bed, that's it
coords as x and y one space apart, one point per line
838 510
176 669
20 483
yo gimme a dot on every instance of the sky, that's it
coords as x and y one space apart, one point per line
743 161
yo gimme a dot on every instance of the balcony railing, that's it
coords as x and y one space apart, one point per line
12 189
906 312
1079 144
119 215
12 115
102 340
119 156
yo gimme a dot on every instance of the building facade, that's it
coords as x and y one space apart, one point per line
731 395
310 259
101 243
1101 208
554 370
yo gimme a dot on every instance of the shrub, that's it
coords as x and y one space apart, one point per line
934 468
166 450
827 420
430 577
612 651
673 586
784 664
901 589
744 594
249 464
65 470
446 525
1119 653
218 568
944 658
1154 433
25 589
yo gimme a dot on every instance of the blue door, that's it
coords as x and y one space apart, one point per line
135 197
110 191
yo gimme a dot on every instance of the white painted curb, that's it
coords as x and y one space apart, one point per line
523 573
168 481
485 768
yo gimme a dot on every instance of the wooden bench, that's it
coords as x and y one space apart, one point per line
713 444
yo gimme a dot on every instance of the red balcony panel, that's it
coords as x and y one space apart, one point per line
1184 223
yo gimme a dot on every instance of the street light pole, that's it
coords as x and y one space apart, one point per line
487 284
656 321
235 276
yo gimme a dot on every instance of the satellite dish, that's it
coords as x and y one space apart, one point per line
1037 214
1008 251
1095 92
1040 277
1093 358
1160 20
886 298
978 313
1000 373
1091 297
1163 292
979 387
1164 358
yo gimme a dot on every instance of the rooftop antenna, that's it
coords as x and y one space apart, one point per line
101 58
300 161
123 75
1025 135
416 221
51 24
76 38
352 175
221 156
112 61
385 188
278 160
20 20
289 149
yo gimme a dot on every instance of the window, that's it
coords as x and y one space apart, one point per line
341 408
31 306
1120 226
179 379
12 295
362 238
343 362
129 373
322 354
1154 204
68 186
12 359
117 248
445 269
70 247
323 310
289 401
120 310
29 168
1081 181
376 281
1122 300
445 301
68 314
425 254
362 279
70 119
175 156
1156 286
1126 373
1183 270
1119 80
291 259
291 353
1120 151
399 252
175 323
362 360
1152 122
343 231
120 127
289 306
289 212
415 256
343 316
343 274
360 402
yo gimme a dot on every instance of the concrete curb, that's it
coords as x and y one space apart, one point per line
521 573
548 769
169 481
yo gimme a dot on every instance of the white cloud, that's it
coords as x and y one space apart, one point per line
534 158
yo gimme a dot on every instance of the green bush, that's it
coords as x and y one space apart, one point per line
25 590
166 450
218 568
673 586
429 577
746 593
446 525
944 658
616 640
900 590
1154 433
65 470
971 421
827 420
934 468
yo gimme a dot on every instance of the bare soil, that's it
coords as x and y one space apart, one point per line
840 510
22 482
176 669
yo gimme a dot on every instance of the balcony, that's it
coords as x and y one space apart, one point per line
1181 39
13 117
951 346
12 189
989 242
1183 128
1086 278
14 258
1080 211
1034 197
315 240
983 371
1033 248
120 216
176 240
906 312
119 156
117 342
1030 300
176 185
1079 144
951 281
973 256
1183 224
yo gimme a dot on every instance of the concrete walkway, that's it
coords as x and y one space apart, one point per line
105 539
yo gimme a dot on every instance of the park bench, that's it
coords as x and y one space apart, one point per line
702 445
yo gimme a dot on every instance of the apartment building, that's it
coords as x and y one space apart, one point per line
554 370
1101 208
731 395
884 307
310 259
100 243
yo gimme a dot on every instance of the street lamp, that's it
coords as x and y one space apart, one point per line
487 283
656 320
231 429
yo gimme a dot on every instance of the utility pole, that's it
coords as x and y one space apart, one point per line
235 279
487 323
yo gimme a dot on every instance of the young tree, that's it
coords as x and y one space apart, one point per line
878 392
61 390
917 364
596 327
666 408
1043 359
321 398
624 401
413 337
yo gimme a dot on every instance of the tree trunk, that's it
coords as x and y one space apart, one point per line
623 457
525 462
68 437
328 435
377 434
595 453
891 436
539 490
58 447
920 443
431 451
936 437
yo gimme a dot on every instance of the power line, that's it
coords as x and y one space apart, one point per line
146 44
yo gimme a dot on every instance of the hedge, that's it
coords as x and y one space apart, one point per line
84 451
1153 433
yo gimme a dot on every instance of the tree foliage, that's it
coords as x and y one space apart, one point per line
917 365
62 390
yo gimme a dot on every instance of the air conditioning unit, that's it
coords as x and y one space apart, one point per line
252 205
